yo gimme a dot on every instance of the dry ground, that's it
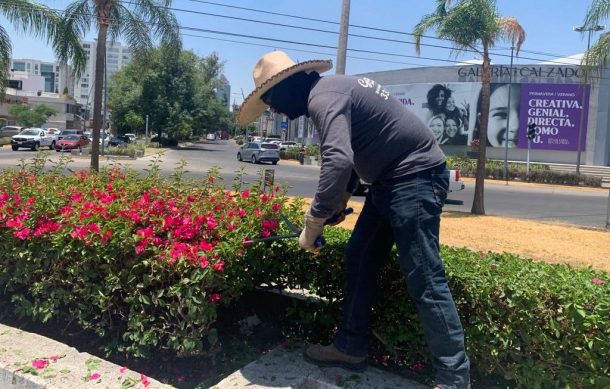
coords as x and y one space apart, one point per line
544 241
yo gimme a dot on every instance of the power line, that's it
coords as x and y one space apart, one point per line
318 30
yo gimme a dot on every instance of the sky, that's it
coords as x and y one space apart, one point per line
265 25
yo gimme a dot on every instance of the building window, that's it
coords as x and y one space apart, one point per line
19 66
84 96
86 46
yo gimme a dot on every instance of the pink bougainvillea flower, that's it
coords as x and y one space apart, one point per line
40 363
122 369
23 234
14 223
146 232
205 245
598 281
54 358
418 366
4 196
203 262
245 194
109 187
95 376
276 207
144 380
215 297
242 213
266 233
76 197
264 198
212 224
219 266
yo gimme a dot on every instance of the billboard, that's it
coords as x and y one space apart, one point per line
453 112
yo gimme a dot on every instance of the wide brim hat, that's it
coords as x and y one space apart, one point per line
270 70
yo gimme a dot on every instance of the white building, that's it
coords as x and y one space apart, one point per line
55 78
117 56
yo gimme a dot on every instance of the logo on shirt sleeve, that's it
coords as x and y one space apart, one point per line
379 90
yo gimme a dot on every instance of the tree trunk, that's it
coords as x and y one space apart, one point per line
100 56
478 204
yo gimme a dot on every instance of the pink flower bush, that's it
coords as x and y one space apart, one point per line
162 244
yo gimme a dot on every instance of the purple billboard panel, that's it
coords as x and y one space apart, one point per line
557 111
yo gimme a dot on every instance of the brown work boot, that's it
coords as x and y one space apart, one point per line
329 356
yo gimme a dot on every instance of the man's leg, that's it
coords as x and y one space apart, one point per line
368 248
415 209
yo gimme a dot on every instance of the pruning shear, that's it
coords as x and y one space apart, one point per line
296 231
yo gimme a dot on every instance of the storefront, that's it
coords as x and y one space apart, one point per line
551 96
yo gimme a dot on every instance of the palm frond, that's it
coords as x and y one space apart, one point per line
596 58
5 59
428 22
78 16
135 30
512 31
164 22
31 17
597 13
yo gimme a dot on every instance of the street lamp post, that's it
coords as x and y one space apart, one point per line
582 105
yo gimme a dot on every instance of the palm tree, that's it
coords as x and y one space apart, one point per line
42 22
471 24
136 21
599 54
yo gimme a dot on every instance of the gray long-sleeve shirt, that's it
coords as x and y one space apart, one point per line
362 127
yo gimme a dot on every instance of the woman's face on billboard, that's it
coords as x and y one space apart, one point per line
498 134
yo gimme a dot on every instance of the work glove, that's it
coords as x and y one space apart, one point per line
310 232
340 216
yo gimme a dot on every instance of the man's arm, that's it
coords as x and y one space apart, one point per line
331 113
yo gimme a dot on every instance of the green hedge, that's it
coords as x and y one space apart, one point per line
517 172
535 324
144 263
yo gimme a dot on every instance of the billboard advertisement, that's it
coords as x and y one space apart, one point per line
453 112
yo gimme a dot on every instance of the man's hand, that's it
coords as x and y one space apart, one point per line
340 216
312 229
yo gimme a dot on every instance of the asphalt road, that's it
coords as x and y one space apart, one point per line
577 206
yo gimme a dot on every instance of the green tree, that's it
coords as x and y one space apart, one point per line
599 54
471 24
176 92
32 116
135 21
42 22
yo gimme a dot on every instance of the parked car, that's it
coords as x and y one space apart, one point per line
259 152
72 142
210 137
70 131
119 141
53 131
132 137
287 144
455 184
8 131
33 138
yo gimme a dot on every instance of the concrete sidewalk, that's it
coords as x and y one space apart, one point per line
286 368
59 366
64 367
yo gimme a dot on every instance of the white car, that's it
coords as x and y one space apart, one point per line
33 138
133 137
210 137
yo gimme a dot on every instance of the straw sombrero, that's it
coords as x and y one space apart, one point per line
270 70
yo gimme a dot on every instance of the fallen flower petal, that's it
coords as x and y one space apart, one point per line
95 376
598 281
122 369
144 380
40 363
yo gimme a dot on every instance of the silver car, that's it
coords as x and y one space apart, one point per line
256 152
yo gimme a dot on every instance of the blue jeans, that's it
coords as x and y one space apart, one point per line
405 211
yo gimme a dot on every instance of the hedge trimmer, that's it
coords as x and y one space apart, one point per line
296 231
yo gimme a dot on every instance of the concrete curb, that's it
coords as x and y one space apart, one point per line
285 368
70 370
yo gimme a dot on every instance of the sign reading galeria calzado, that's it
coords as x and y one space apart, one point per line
556 109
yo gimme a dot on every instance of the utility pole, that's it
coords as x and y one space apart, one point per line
584 89
510 87
343 33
